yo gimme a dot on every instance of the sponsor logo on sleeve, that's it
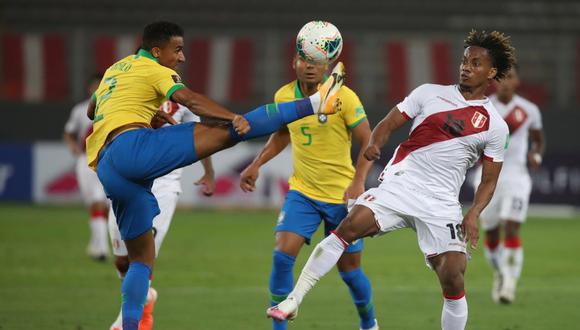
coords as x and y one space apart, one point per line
176 79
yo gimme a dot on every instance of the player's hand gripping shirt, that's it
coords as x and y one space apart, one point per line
131 92
449 134
520 116
321 146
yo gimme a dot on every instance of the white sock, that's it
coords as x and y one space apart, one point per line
315 101
454 315
512 261
323 258
100 234
493 256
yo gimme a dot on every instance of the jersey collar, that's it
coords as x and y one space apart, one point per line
298 93
144 53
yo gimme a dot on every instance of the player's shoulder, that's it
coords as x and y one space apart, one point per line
428 90
525 103
346 92
286 93
496 121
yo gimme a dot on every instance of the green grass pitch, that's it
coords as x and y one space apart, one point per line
213 272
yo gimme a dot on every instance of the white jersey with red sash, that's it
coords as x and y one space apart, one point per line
449 134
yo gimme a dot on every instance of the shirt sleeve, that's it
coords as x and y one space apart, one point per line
166 82
536 118
497 143
354 112
412 105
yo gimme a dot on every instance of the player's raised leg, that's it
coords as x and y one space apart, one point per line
359 223
450 268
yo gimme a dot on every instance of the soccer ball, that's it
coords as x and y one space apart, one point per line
319 42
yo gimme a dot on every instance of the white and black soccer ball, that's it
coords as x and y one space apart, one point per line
319 42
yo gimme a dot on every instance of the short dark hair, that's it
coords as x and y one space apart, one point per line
499 48
157 34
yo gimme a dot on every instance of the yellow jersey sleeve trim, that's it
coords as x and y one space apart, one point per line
94 97
355 124
173 89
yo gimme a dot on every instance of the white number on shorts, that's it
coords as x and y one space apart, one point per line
454 229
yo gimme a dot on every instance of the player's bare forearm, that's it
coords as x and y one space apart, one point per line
91 109
484 193
538 144
382 132
362 135
201 105
276 143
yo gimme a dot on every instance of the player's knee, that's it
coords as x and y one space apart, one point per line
512 230
122 264
348 262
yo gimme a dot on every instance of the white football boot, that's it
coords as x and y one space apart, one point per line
286 310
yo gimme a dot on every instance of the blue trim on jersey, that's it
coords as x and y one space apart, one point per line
302 215
130 163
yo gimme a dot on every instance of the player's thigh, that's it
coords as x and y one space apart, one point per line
210 139
437 236
450 269
298 216
133 204
515 204
372 215
146 154
167 202
89 184
333 214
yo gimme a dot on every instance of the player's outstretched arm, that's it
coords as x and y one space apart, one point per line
489 176
201 105
277 142
382 132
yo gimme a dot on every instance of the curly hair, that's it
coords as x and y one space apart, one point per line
499 48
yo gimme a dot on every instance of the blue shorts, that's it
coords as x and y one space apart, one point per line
130 163
302 215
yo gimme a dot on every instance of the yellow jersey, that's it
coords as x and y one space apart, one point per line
131 91
321 146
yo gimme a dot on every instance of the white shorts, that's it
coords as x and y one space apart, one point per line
436 235
91 189
510 202
167 202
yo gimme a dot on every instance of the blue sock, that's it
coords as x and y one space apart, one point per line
281 281
134 291
269 118
360 290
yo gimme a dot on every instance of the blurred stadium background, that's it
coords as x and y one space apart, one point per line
238 52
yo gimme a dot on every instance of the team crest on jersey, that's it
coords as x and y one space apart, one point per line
322 118
176 78
478 119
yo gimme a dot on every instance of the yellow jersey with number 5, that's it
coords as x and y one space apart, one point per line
321 146
131 92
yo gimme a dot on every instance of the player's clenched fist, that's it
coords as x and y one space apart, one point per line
241 125
373 152
248 178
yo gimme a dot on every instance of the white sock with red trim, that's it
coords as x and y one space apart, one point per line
454 315
512 259
323 258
